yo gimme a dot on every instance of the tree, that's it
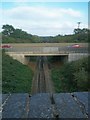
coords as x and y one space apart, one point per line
81 31
18 33
82 34
77 31
8 30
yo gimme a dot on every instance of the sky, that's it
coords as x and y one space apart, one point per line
44 18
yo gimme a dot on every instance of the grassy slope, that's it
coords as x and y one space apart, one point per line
15 76
72 76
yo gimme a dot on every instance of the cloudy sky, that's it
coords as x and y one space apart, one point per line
44 18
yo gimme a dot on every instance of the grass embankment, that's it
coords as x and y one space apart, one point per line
16 77
73 76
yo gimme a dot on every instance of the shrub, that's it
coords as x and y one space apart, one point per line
72 76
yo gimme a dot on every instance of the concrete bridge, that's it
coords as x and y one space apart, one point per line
44 105
22 52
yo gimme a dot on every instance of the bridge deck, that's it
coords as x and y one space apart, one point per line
65 105
42 48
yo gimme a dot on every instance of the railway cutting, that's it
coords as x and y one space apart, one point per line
42 82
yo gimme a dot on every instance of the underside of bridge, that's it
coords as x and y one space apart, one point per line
53 61
55 57
63 58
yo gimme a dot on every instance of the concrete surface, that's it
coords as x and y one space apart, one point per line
40 106
67 105
15 106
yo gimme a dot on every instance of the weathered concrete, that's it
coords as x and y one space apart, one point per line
15 106
40 106
82 99
19 57
70 56
67 105
5 97
76 56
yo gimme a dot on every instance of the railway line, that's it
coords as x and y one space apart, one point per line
42 82
52 105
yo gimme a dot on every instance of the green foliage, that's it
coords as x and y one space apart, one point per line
72 76
15 76
82 34
10 34
81 78
6 39
8 29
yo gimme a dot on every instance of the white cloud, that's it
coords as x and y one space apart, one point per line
42 20
41 12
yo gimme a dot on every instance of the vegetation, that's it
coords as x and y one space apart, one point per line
15 76
73 76
12 35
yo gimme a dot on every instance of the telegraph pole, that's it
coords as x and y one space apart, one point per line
78 24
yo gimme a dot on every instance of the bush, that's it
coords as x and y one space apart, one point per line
71 76
81 78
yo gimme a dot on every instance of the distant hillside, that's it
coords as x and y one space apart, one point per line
16 77
12 35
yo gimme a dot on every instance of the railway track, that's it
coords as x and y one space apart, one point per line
42 82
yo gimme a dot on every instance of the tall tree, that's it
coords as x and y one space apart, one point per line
8 30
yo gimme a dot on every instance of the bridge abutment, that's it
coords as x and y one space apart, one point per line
18 57
76 56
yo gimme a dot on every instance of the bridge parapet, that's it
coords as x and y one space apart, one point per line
65 105
49 50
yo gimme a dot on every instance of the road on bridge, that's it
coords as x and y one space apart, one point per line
48 47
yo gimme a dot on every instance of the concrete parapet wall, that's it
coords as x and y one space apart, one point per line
50 49
66 105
